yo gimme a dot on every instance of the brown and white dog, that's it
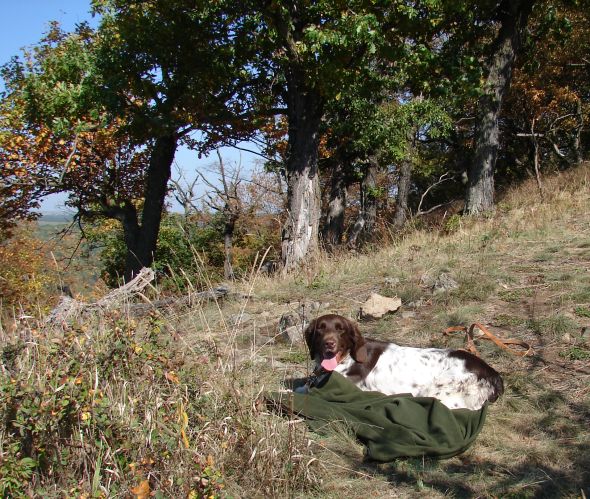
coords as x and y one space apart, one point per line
457 378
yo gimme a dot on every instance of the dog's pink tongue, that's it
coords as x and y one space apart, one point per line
329 364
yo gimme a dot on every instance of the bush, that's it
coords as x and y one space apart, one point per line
110 406
25 270
187 248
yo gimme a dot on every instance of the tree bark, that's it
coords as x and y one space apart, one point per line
513 17
228 237
363 228
142 240
576 142
300 236
403 193
334 224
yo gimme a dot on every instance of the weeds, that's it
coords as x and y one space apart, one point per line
126 408
576 353
555 326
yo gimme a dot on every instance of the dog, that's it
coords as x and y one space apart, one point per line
457 378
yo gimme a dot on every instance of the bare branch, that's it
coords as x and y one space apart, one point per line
69 160
443 178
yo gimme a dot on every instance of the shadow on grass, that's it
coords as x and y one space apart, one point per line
555 419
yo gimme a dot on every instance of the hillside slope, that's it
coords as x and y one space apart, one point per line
169 403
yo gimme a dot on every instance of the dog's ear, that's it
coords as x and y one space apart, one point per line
358 350
309 335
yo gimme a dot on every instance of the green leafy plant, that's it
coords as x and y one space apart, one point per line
576 353
582 311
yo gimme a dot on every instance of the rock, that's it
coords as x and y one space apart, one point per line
377 306
408 314
444 283
269 267
240 318
293 334
426 281
293 323
391 282
289 319
306 308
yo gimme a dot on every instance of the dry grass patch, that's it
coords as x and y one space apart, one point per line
171 401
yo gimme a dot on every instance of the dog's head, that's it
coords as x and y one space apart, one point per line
334 336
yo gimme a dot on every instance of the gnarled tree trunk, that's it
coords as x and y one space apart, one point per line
513 16
228 239
300 237
403 193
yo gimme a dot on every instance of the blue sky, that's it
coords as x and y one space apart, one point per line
23 23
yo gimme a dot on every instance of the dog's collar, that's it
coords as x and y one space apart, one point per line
316 377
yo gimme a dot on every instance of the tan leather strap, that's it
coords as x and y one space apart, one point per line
509 344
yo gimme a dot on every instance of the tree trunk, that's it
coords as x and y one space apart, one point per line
369 194
334 224
300 237
403 194
513 16
576 145
364 226
228 237
142 246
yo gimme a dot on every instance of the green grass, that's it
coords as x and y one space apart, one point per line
576 353
582 311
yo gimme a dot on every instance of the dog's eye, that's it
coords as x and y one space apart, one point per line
339 327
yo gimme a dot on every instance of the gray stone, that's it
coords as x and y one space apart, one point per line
293 334
240 318
444 283
391 282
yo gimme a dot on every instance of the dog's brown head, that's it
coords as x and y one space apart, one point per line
333 335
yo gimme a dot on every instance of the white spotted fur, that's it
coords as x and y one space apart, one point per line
420 372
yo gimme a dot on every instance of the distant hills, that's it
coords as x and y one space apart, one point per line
52 217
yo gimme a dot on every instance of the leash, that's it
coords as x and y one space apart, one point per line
509 345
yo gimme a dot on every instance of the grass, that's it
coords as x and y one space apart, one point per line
170 402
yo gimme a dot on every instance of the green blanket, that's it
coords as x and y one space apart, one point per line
390 426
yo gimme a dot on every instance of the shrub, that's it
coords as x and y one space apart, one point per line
189 248
25 270
111 406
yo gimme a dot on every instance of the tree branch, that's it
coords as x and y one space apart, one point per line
443 178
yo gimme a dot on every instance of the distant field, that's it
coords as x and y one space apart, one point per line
55 218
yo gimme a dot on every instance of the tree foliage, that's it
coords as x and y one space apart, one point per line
354 102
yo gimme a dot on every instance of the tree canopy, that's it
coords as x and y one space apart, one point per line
375 99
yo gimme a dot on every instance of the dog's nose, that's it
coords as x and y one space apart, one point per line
331 344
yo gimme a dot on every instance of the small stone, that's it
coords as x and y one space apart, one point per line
391 282
444 283
377 306
287 320
293 334
426 281
240 318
